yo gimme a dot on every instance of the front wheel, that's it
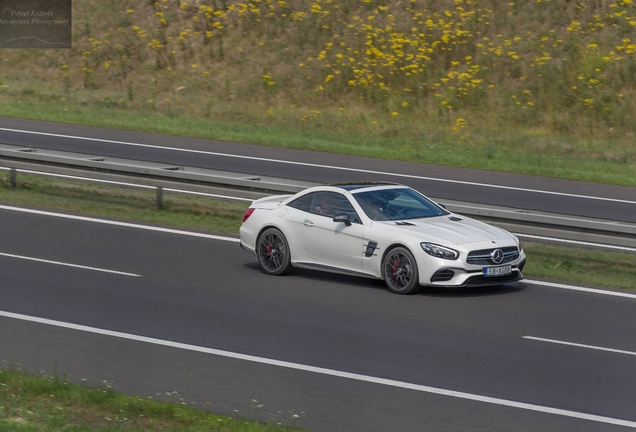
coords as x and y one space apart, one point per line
400 271
273 253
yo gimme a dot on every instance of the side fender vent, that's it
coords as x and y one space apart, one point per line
371 247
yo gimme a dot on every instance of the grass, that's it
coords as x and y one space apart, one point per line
577 265
44 403
605 269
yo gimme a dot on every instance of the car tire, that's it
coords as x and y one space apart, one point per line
273 253
399 271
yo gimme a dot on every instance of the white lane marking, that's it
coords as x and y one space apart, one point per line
235 240
122 224
69 265
578 288
554 341
129 184
325 371
323 166
576 242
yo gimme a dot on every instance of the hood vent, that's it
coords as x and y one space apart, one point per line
454 218
404 223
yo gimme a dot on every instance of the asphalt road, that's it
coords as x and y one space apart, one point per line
207 292
519 191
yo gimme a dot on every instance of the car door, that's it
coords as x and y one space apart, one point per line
329 242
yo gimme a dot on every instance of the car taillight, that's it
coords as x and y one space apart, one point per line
248 213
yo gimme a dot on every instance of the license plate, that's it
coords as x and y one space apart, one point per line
497 271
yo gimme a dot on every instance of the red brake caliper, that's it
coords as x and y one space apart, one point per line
394 266
269 249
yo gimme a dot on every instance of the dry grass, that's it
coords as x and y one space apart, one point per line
542 78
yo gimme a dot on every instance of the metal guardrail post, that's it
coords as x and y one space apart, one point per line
13 178
160 198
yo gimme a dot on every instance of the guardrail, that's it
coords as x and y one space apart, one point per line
196 180
142 173
561 226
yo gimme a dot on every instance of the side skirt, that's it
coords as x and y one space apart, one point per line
333 269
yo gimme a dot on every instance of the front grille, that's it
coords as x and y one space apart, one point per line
482 256
443 275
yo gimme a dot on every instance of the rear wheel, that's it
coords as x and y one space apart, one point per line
400 271
273 253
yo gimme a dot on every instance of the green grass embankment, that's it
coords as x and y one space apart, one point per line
43 403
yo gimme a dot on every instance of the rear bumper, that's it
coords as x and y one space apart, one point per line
245 247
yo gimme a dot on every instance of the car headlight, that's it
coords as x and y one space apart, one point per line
517 240
440 251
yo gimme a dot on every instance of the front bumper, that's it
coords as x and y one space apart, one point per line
466 275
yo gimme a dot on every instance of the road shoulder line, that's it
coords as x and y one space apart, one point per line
325 371
579 288
121 224
68 264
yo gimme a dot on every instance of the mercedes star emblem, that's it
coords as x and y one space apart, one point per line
497 256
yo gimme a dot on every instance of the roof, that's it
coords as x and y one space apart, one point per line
362 184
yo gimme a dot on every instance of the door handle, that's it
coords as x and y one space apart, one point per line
308 223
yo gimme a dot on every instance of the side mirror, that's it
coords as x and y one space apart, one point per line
342 217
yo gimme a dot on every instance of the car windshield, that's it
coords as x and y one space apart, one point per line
396 204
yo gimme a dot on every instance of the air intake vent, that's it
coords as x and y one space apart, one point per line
443 275
405 223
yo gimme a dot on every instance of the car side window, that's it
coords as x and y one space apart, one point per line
303 203
330 204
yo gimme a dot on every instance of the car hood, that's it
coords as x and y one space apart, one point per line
447 230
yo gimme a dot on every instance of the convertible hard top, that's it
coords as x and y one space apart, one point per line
362 184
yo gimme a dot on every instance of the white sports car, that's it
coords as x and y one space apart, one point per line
379 230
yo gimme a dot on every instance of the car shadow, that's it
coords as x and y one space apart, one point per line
357 281
455 292
492 290
324 276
